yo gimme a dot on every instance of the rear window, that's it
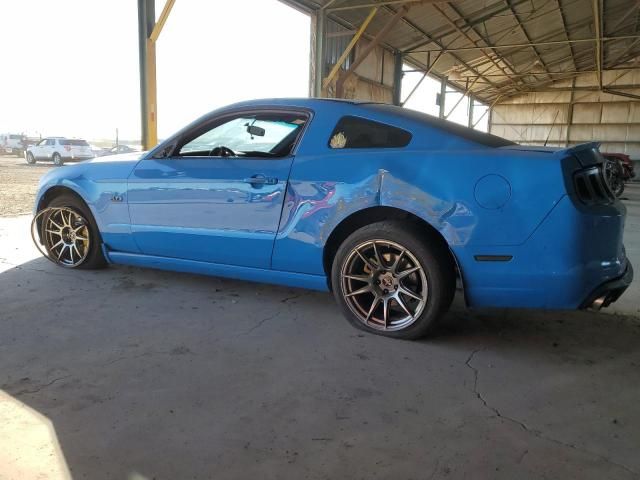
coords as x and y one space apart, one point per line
15 137
356 132
75 143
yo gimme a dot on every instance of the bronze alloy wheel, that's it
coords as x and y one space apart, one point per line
66 237
384 285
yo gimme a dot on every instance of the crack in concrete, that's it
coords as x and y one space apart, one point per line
45 385
292 297
260 323
532 431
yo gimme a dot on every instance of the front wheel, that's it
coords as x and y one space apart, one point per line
70 235
393 279
57 159
30 158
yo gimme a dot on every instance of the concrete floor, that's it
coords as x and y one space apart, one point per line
138 374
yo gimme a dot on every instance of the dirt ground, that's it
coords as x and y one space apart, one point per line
18 184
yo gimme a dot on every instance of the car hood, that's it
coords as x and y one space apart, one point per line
122 157
111 169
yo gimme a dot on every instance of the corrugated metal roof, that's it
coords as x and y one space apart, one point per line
513 46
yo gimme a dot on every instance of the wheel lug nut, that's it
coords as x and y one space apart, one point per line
386 291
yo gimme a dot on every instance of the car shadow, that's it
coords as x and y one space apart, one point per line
152 374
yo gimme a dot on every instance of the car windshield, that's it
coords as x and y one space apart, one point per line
75 143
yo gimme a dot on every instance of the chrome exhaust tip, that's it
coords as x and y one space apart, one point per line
598 302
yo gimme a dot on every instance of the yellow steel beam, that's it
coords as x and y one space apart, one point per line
162 20
150 139
369 48
152 97
347 50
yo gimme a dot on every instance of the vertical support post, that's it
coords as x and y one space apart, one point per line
597 20
321 16
152 97
147 58
570 112
471 102
397 77
443 96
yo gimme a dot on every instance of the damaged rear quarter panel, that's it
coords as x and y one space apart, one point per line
437 186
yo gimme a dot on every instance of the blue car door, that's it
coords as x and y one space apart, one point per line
218 195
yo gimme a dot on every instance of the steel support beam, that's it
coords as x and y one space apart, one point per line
148 33
146 22
336 68
320 22
532 44
397 78
484 51
499 8
466 93
369 48
427 72
428 36
621 94
597 20
566 33
155 33
443 96
526 35
380 4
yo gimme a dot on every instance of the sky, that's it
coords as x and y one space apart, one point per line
70 67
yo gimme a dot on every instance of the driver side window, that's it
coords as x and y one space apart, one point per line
270 134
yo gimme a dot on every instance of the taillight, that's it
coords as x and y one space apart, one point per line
591 186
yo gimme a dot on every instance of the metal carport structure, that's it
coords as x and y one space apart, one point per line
555 72
552 71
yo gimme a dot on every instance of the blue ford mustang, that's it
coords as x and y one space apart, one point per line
386 207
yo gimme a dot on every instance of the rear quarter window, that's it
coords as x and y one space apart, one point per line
356 132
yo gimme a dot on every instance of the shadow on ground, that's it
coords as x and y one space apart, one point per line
148 374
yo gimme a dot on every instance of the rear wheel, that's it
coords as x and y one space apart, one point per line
393 280
614 175
30 158
57 159
69 234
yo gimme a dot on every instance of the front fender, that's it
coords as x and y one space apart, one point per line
103 187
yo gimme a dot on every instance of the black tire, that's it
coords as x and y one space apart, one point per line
94 259
30 158
437 268
57 159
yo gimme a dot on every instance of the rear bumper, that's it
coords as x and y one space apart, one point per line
608 292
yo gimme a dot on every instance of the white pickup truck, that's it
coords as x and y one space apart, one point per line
11 144
59 150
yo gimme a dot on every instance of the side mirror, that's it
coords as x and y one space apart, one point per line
256 131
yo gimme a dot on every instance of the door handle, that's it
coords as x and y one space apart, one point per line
261 180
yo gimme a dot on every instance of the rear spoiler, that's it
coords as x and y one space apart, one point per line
587 153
